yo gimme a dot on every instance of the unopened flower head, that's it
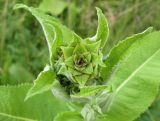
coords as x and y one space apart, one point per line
80 61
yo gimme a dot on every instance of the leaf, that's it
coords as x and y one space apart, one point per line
39 108
116 53
102 30
69 116
55 33
152 114
55 7
135 81
44 82
90 90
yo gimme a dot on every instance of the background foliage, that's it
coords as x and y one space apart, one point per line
23 51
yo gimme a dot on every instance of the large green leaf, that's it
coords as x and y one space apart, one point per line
55 33
135 81
44 82
102 30
42 107
117 53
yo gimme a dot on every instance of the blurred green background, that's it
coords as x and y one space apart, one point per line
23 49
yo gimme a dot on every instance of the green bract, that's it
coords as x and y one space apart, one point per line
80 61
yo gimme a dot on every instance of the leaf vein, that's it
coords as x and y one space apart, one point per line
16 117
141 66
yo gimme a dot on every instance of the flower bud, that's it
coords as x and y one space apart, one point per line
80 61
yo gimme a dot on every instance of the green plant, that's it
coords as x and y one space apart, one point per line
118 87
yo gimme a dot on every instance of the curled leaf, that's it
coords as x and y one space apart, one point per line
102 30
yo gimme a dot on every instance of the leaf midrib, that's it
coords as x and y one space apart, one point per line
134 73
16 117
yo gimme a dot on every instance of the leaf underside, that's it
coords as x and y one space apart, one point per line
55 32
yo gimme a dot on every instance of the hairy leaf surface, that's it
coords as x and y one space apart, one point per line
135 81
44 82
42 107
117 52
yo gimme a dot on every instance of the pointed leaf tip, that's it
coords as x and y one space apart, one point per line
43 83
18 6
102 30
55 33
98 9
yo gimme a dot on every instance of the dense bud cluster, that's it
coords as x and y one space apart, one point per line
80 61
